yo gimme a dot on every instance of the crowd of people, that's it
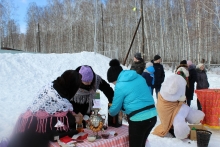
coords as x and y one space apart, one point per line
70 97
154 75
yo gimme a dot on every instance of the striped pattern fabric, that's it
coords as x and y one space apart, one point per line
121 140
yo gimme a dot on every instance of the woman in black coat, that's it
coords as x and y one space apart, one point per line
37 125
202 80
192 79
83 99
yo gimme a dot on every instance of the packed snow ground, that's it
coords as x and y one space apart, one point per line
23 74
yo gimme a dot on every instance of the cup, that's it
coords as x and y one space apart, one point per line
79 127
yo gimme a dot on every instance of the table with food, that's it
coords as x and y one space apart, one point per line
96 134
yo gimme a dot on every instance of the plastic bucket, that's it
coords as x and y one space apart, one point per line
203 137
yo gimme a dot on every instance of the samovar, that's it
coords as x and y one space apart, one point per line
96 122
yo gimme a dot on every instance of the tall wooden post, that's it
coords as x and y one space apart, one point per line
38 33
103 31
132 41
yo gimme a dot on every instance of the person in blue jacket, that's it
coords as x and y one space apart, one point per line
131 96
148 74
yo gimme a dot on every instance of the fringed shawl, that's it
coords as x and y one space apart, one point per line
25 120
47 104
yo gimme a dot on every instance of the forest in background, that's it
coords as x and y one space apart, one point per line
174 29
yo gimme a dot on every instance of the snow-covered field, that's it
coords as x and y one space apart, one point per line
22 75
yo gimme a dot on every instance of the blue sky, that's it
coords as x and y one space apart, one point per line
21 11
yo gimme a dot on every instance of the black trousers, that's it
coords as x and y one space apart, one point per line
188 102
199 105
139 131
157 89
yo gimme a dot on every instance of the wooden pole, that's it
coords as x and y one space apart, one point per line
103 32
132 41
39 37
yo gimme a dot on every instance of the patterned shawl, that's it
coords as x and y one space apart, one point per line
47 104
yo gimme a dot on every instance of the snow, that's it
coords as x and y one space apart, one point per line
23 74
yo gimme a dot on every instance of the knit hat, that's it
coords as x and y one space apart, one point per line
114 70
138 56
156 57
148 64
183 62
189 62
87 73
173 88
199 65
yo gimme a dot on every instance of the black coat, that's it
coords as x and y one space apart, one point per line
202 79
103 86
192 79
159 75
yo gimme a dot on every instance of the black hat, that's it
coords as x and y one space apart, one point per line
67 84
183 62
156 57
138 56
114 70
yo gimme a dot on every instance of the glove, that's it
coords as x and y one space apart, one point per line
79 118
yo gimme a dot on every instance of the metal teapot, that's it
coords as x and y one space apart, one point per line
96 121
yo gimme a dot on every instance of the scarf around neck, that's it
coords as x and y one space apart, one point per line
83 96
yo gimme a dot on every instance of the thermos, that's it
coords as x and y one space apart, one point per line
115 121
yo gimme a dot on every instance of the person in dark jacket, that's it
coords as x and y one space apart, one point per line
182 70
148 75
202 80
138 64
159 74
39 124
192 79
83 99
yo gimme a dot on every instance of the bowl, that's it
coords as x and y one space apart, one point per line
105 135
91 138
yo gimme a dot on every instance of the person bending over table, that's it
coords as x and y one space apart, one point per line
134 97
36 127
83 99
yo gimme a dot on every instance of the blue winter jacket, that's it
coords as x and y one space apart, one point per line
131 94
148 74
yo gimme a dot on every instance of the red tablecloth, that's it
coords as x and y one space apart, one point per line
210 102
121 140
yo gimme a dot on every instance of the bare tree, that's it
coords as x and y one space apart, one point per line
176 30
